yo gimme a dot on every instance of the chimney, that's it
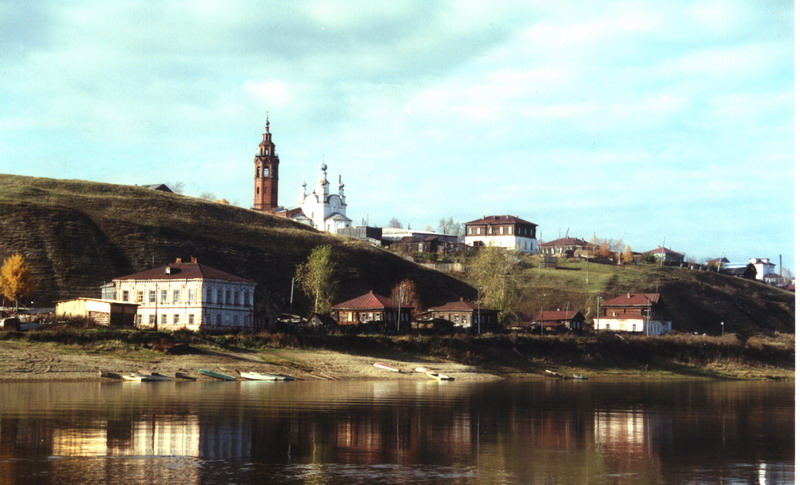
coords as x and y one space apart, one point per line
629 295
178 261
167 270
194 260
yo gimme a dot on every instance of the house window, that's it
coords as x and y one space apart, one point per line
151 296
164 319
125 295
227 297
219 297
489 230
138 319
209 295
236 320
139 296
190 295
246 297
478 230
469 230
501 230
219 319
236 297
175 319
191 319
163 296
176 296
152 319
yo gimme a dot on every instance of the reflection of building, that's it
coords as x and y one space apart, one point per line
188 295
622 432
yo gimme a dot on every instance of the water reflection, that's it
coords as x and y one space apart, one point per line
394 432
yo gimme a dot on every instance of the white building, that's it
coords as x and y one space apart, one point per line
634 312
188 295
325 211
763 267
502 231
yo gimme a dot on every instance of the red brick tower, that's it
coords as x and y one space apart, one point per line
265 197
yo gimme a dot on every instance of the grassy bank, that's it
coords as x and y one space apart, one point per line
594 356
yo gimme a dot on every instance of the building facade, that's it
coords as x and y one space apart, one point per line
189 296
634 312
567 247
265 186
104 312
509 232
322 209
555 321
763 267
372 307
466 314
666 256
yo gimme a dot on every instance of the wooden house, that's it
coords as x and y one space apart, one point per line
372 307
466 314
555 321
634 312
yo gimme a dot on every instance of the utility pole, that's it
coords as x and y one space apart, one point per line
291 299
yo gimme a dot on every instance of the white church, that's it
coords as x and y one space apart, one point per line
321 209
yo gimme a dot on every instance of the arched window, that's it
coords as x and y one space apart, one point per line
266 172
258 172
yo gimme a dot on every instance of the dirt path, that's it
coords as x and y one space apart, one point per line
23 361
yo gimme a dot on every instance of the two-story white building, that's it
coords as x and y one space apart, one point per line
502 231
189 296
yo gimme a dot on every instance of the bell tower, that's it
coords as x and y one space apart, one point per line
265 195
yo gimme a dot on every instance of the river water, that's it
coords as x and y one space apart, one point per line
499 432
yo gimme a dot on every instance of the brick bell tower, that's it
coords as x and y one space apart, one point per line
265 196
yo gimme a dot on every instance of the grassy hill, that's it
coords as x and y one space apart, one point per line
77 235
697 301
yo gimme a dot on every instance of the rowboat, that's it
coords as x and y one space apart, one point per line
260 376
385 367
144 377
216 375
108 374
439 377
579 377
185 377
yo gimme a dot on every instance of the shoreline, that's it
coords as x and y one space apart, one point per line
25 362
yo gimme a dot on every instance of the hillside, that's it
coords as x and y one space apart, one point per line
77 235
697 301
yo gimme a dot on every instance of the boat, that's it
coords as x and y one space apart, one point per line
439 377
553 374
579 377
185 377
260 376
135 377
216 375
108 374
385 367
155 375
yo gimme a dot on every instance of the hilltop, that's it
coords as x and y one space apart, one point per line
77 235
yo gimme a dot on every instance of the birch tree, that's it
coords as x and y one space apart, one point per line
316 278
495 273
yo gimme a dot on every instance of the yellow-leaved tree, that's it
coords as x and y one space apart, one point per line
16 279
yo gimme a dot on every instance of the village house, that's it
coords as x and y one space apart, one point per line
372 307
763 267
666 256
466 314
189 296
509 232
555 321
103 312
566 247
634 312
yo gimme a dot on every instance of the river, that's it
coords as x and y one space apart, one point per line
353 432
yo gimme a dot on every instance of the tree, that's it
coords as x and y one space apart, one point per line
395 223
316 278
604 250
16 279
405 292
617 246
450 227
208 196
627 256
495 273
176 187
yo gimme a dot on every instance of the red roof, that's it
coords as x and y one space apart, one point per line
663 250
369 301
555 315
184 271
459 305
634 299
565 241
500 220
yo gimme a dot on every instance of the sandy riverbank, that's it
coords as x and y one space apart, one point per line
24 361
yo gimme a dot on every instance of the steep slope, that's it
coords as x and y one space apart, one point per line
77 235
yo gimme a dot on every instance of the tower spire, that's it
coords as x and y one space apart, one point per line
265 196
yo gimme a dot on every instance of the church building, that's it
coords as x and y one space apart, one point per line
320 209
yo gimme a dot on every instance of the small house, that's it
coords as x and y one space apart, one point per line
466 314
634 312
555 321
110 313
666 256
372 307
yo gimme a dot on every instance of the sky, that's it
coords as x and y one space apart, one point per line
654 122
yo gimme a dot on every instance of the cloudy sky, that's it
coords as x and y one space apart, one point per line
645 120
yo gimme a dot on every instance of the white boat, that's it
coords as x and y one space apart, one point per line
144 378
386 367
260 376
439 377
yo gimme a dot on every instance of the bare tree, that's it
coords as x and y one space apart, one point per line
395 223
208 196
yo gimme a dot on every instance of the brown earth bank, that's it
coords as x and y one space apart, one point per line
78 354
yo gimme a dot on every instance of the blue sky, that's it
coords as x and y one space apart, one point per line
644 120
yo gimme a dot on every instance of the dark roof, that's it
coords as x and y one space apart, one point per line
459 305
184 271
369 301
634 299
663 250
159 187
556 315
565 241
500 220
